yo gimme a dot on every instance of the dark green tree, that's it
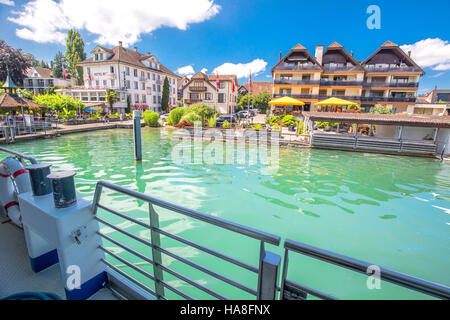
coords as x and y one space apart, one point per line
57 65
111 97
14 61
34 62
75 54
165 95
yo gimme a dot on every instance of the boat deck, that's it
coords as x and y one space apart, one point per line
16 274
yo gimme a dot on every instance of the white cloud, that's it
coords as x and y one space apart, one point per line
7 2
242 70
186 71
112 20
437 75
430 53
204 70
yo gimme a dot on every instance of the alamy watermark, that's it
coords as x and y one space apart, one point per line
374 280
374 20
74 277
197 146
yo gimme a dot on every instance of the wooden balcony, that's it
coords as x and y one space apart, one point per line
197 88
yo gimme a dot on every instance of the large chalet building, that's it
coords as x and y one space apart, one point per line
389 76
203 88
137 78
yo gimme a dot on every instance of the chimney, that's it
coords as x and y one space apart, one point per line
409 53
149 54
135 49
319 53
120 43
279 58
351 53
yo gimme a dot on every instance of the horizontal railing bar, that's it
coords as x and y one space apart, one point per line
190 243
148 243
147 260
192 282
143 286
229 225
190 263
207 250
129 264
142 224
19 155
309 290
404 280
140 255
207 271
171 271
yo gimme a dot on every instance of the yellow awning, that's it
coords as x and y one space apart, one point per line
286 101
335 102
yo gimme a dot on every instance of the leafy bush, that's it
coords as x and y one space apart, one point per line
114 115
191 117
151 118
381 109
204 111
67 115
95 116
273 120
276 127
212 121
257 126
183 124
59 102
300 126
226 125
288 121
175 116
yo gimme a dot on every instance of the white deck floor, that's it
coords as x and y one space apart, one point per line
15 271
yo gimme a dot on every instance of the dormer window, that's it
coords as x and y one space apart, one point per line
98 56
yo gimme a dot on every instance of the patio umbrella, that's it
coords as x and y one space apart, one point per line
286 101
89 110
335 102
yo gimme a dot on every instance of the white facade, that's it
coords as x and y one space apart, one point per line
139 79
41 81
224 100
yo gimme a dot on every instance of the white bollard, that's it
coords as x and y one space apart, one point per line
72 231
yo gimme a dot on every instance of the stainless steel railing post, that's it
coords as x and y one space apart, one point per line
156 254
268 274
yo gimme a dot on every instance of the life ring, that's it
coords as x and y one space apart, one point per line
12 171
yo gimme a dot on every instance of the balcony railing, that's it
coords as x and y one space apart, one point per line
297 82
373 68
342 68
337 83
288 66
315 96
388 99
351 98
391 84
321 82
197 88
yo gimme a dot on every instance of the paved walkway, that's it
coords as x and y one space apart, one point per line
66 129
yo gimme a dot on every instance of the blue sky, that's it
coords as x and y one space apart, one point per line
207 34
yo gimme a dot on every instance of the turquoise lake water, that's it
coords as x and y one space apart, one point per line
387 210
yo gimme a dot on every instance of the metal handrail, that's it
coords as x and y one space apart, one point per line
427 287
229 225
157 249
19 155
